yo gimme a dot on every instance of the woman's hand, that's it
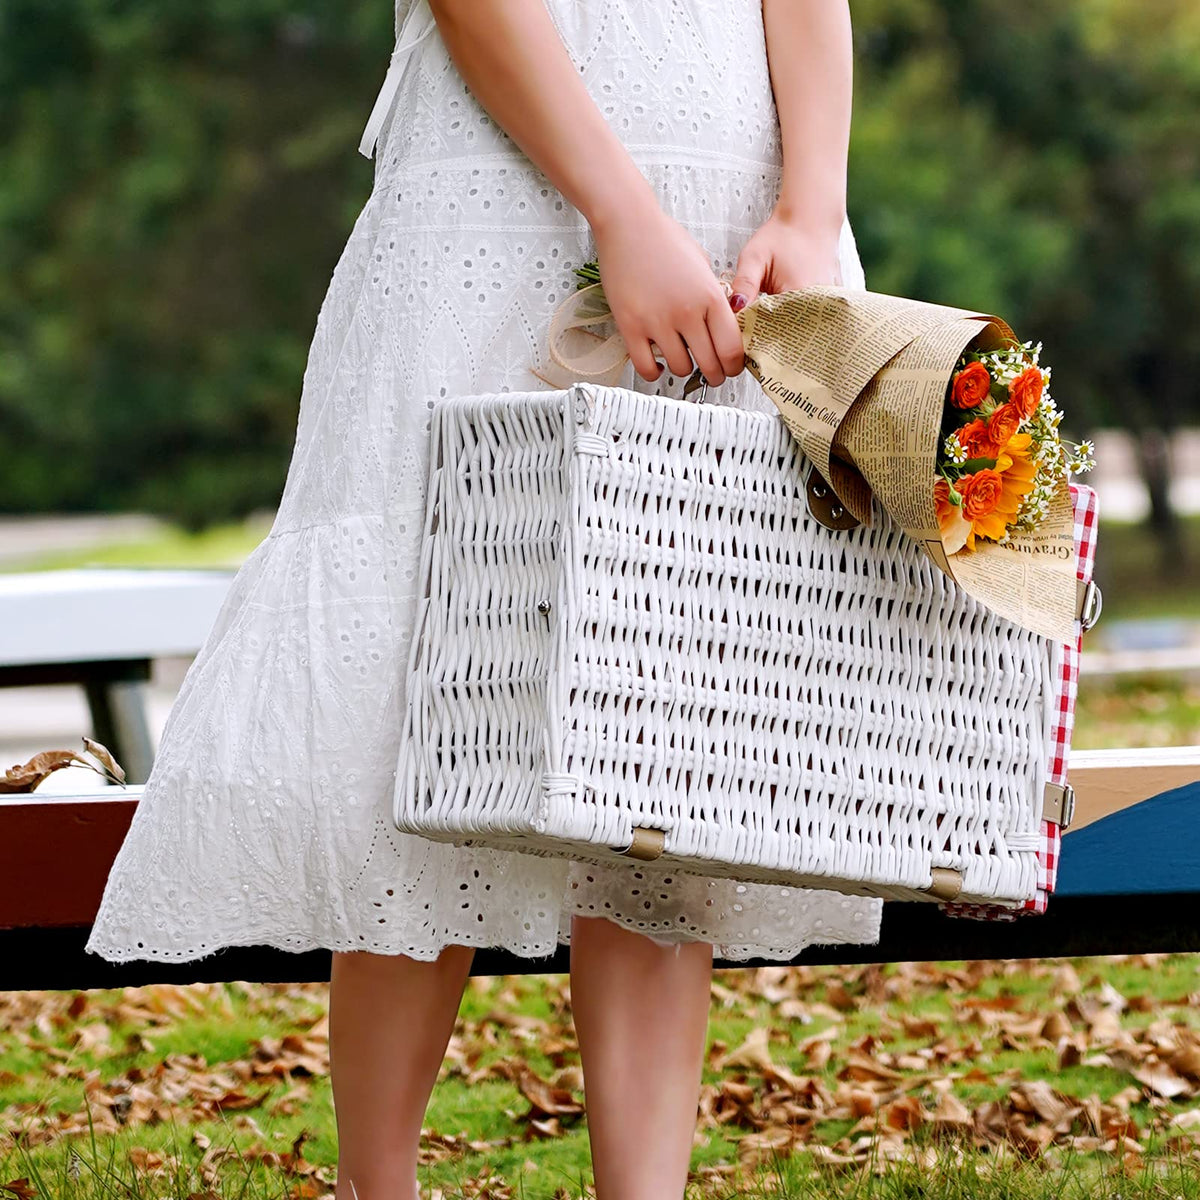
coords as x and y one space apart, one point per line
662 290
784 254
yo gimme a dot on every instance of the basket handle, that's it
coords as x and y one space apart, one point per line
696 382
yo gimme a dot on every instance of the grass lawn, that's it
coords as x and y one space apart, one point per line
988 1080
1136 711
1139 580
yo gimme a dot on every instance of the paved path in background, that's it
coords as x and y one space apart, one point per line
23 538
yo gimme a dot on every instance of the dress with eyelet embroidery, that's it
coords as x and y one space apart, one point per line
267 817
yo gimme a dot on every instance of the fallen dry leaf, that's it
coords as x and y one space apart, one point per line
545 1098
103 755
1162 1081
24 777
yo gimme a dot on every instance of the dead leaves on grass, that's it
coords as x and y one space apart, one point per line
891 1101
797 1081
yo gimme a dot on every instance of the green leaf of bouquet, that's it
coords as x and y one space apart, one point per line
977 464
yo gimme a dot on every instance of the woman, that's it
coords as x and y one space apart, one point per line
517 139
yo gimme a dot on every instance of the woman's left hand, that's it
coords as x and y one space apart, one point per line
782 255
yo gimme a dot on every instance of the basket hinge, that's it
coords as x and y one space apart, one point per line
583 400
1058 804
591 443
554 783
945 884
647 844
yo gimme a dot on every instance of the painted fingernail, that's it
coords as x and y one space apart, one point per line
737 301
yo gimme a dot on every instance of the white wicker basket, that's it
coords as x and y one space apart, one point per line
634 640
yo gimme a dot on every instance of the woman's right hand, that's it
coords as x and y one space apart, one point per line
662 290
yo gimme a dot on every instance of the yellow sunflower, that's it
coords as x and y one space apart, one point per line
991 498
1017 470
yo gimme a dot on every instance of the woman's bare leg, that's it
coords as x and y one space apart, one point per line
390 1019
641 1015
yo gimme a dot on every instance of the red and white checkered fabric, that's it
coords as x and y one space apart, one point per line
1083 499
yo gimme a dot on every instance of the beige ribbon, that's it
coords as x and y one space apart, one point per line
584 342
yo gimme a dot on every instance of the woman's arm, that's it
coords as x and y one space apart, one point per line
658 281
810 53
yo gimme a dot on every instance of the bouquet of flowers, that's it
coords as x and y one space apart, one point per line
1002 459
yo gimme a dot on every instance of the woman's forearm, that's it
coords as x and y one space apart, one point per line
811 57
513 60
658 280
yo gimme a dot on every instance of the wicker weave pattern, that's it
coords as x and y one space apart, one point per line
630 619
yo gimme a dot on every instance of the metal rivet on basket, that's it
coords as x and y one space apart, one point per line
544 608
824 504
647 844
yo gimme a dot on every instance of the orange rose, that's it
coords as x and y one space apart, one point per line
941 492
971 386
941 501
981 492
1025 392
975 438
1005 421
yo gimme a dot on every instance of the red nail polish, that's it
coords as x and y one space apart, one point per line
737 301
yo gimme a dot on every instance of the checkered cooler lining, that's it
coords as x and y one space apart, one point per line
1083 500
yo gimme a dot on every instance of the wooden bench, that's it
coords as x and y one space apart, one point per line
1129 883
102 627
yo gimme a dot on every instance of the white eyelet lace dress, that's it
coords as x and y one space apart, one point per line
266 819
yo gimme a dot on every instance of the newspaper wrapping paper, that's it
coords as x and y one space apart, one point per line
860 380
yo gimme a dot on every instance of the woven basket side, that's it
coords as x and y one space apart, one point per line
473 748
776 701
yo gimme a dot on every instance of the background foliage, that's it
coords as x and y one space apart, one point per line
177 180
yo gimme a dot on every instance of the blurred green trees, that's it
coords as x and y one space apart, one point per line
177 179
1042 161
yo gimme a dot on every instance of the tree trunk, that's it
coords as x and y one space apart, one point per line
1154 459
